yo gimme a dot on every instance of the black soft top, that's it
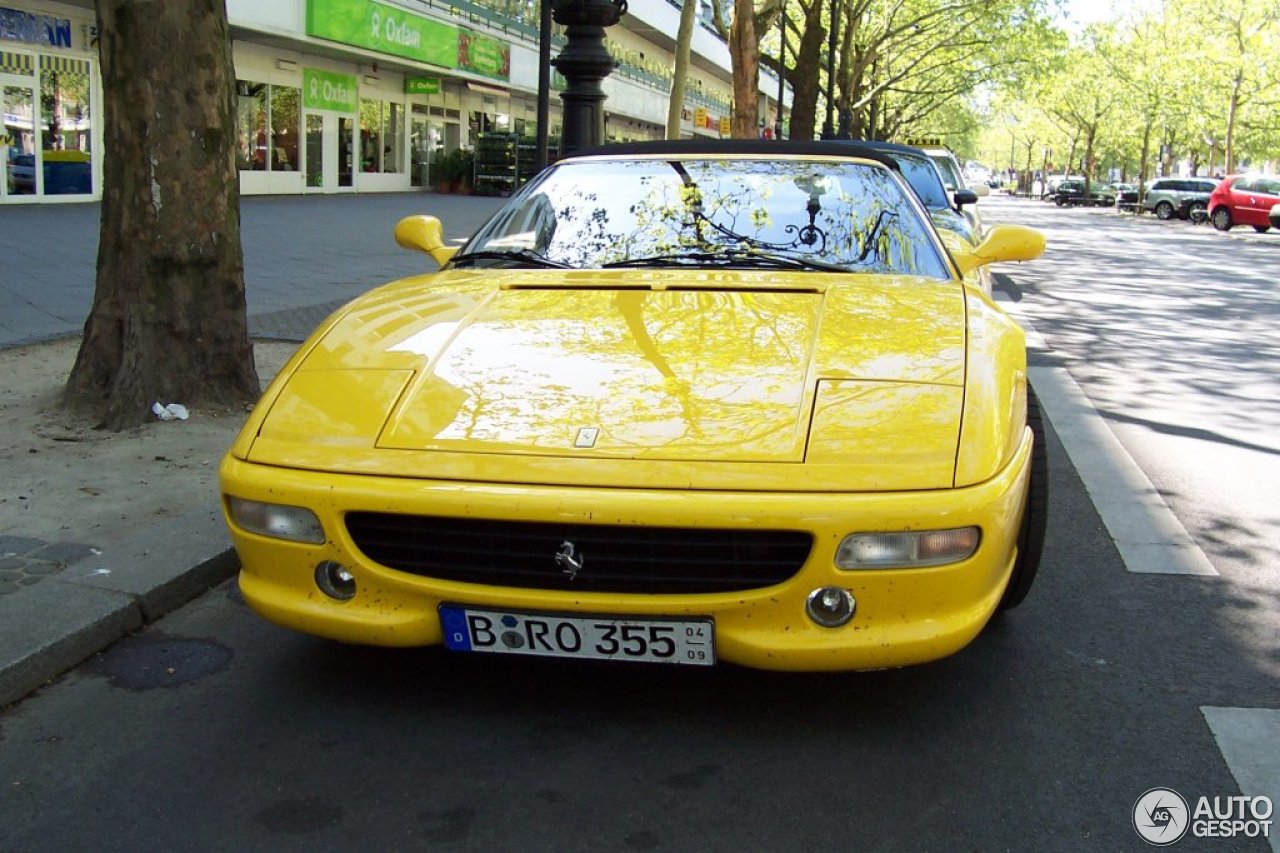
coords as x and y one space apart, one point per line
843 148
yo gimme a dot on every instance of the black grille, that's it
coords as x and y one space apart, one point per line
614 558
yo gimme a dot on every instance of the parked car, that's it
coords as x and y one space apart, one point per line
22 173
953 179
1274 217
1244 200
960 232
677 402
1049 188
1165 196
1126 196
1073 193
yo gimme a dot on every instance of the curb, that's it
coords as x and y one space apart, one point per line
53 626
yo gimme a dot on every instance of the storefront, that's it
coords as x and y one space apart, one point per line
331 96
50 92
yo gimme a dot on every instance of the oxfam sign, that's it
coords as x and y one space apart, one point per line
325 90
383 28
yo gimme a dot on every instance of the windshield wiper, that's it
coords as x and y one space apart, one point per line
517 257
729 257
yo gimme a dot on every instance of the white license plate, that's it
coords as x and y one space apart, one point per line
683 641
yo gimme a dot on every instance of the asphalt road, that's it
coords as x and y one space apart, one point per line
215 730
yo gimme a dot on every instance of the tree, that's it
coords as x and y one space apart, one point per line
743 33
168 321
1245 35
684 38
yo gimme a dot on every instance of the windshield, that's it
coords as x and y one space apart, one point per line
950 173
923 176
808 214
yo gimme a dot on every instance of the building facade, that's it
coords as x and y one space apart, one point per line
338 96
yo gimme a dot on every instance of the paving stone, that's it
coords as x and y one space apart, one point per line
9 564
7 586
30 580
43 568
63 552
11 573
20 544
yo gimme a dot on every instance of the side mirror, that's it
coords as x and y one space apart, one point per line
1003 243
965 196
426 234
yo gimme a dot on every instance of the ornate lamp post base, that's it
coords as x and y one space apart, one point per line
585 63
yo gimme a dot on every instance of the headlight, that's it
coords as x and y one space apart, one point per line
276 520
907 549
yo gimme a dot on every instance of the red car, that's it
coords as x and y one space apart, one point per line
1244 200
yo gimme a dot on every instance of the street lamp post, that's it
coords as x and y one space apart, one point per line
544 83
585 63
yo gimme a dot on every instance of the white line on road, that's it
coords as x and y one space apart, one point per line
1249 739
1150 538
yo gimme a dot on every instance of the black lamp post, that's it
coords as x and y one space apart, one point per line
585 63
544 83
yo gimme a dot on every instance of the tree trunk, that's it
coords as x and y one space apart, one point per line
1146 158
744 49
806 74
1232 108
168 322
684 38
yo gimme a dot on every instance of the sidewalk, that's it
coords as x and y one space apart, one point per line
101 534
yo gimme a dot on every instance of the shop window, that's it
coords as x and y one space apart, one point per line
65 128
286 118
251 126
268 123
381 136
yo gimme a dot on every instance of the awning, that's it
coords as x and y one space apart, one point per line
487 90
16 63
63 64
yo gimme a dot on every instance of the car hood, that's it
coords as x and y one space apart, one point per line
660 366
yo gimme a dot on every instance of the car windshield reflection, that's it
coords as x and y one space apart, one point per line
817 215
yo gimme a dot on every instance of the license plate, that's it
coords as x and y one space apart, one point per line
508 632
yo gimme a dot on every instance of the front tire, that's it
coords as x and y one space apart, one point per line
1221 219
1262 229
1035 515
1164 210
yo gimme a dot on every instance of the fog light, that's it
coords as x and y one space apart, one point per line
336 581
830 606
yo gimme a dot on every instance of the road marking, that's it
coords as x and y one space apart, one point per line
1149 537
1249 739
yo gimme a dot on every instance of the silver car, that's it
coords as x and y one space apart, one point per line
1178 197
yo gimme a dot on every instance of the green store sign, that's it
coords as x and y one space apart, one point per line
422 85
385 29
327 90
481 54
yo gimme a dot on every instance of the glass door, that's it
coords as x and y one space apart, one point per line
329 148
346 150
419 149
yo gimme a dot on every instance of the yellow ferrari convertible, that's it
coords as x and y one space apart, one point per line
677 402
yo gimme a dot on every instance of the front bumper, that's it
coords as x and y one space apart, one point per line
904 616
